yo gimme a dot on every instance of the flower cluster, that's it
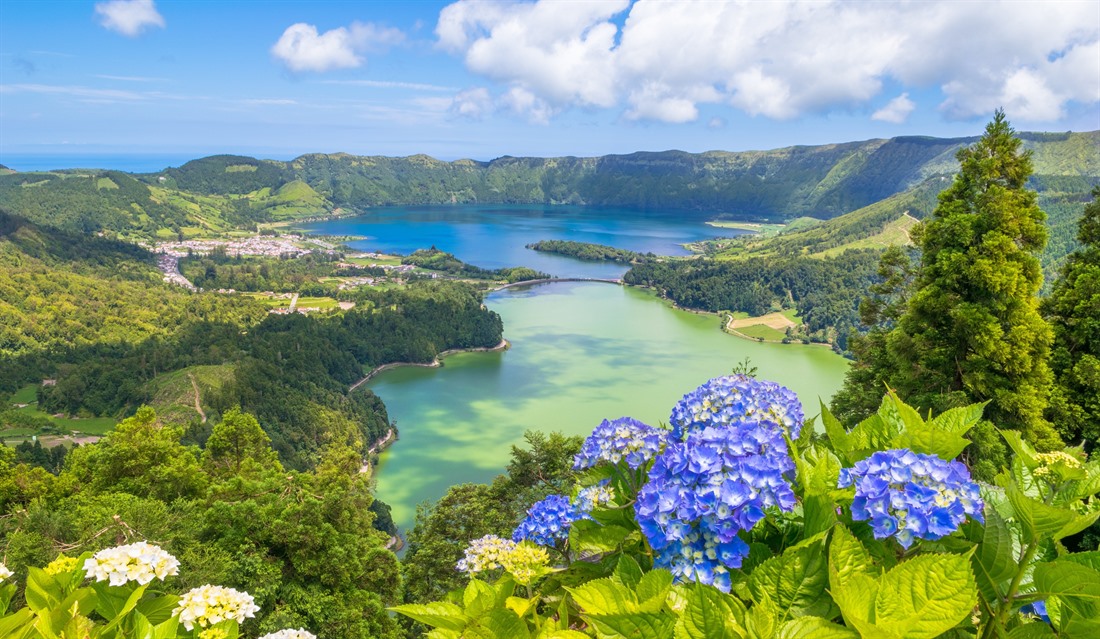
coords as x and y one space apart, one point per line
589 497
290 634
738 399
484 554
908 495
1049 461
622 439
5 574
208 605
526 562
548 521
139 562
703 491
60 566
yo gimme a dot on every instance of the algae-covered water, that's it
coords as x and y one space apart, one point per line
581 352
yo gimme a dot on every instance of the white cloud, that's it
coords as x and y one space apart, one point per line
783 59
896 111
129 17
473 104
525 104
303 48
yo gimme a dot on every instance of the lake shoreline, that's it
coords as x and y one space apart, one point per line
435 363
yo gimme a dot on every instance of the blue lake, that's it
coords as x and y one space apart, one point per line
495 236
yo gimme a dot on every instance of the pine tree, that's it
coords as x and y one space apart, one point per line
972 330
1073 310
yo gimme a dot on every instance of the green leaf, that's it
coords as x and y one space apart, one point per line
18 625
710 614
564 634
929 440
795 581
438 614
1040 520
478 598
654 585
1033 630
628 572
498 624
42 592
994 561
815 627
1066 579
1024 452
604 597
959 420
638 625
925 596
836 432
158 609
847 556
591 538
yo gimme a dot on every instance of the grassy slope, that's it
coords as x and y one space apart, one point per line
173 395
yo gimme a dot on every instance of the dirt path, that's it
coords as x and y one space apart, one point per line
198 404
293 302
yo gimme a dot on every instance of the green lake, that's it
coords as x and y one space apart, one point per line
580 353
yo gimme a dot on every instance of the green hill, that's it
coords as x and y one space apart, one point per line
214 194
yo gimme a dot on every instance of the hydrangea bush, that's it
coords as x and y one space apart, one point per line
741 519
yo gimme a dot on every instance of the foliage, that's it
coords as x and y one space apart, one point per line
1073 309
437 260
976 559
826 291
587 251
968 328
304 545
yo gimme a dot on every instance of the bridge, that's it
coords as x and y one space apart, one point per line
559 279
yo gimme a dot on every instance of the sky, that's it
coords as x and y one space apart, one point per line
476 79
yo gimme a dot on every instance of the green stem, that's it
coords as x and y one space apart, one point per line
1005 609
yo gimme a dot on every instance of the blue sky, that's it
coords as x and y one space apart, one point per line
561 77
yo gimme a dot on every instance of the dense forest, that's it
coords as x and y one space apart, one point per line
826 291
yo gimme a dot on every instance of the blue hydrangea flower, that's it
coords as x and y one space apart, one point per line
548 521
741 399
622 439
705 490
909 496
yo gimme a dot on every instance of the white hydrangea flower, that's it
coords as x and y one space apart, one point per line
4 573
208 605
484 554
140 562
290 633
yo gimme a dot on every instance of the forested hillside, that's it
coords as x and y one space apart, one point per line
217 193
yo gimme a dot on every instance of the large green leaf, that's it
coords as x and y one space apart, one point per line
654 586
604 597
795 581
815 628
439 614
627 571
959 420
1034 630
637 625
994 560
710 614
847 556
591 538
929 440
478 598
836 432
925 596
1040 520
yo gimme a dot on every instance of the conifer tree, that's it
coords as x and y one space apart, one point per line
968 329
1073 310
972 330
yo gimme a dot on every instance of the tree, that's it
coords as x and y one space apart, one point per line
236 440
971 329
1073 310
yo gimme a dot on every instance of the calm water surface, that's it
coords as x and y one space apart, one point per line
495 236
580 353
